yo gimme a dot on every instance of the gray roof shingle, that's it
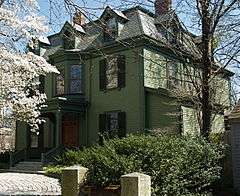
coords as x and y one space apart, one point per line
139 22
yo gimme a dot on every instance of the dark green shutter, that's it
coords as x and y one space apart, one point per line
102 126
102 75
121 71
122 124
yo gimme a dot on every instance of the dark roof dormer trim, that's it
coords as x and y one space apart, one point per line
75 27
108 10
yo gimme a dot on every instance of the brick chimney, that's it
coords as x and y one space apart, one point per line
79 18
162 6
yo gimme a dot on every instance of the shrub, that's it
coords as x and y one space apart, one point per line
54 171
4 157
177 165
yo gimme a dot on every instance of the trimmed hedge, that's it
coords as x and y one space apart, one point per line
177 165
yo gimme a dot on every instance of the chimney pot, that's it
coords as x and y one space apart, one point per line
162 6
79 18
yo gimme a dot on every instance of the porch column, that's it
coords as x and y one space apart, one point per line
58 133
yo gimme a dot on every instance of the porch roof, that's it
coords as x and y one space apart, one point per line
67 104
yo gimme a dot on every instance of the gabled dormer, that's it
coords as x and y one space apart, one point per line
71 33
112 23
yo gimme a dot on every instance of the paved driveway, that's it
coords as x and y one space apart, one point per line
28 184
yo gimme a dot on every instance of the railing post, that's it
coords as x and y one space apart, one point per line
72 179
135 184
43 158
25 154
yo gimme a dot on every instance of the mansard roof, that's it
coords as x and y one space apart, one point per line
138 22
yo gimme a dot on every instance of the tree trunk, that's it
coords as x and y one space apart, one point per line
207 67
1 2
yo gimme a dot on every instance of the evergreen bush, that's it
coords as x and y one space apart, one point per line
177 165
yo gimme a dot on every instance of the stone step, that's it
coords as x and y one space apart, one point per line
26 163
27 166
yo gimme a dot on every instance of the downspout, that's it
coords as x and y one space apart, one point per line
89 99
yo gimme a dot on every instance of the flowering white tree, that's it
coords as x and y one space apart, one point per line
20 69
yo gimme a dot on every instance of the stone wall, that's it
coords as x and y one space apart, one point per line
74 178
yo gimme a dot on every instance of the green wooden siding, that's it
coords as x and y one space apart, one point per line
154 70
190 118
129 99
162 113
160 70
156 76
190 121
221 91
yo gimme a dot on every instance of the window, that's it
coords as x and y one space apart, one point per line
112 72
60 83
110 30
68 40
34 140
113 124
6 120
75 79
172 74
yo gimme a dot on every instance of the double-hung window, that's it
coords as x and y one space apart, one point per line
111 29
172 74
112 124
75 79
112 72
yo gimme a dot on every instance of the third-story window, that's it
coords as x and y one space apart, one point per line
112 72
110 30
75 79
60 83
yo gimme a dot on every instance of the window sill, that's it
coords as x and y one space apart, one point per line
112 89
70 94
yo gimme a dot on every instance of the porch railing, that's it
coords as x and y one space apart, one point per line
17 156
51 155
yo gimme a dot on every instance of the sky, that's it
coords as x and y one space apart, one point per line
57 14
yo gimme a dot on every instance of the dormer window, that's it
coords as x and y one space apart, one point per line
111 29
68 40
113 21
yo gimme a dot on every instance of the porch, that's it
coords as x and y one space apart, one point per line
64 127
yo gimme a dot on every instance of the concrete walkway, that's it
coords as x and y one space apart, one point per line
28 184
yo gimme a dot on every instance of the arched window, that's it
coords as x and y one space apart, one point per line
75 79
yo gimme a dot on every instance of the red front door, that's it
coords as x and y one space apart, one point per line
70 128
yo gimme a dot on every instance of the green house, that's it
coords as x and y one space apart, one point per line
126 72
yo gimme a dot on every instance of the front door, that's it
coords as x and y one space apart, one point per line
35 145
70 128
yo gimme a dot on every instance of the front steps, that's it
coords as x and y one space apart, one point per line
27 166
